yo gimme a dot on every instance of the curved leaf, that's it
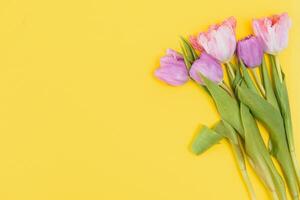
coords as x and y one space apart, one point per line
270 96
283 99
205 139
227 106
247 78
272 119
266 113
258 153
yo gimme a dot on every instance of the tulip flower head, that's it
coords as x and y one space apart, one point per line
273 32
208 67
250 51
219 41
172 70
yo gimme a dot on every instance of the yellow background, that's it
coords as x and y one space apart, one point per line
82 117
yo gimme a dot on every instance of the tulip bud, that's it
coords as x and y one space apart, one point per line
208 67
173 70
250 51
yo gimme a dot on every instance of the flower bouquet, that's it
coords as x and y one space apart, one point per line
255 91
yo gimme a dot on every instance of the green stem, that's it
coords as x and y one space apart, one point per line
226 88
296 165
230 68
285 160
258 82
238 152
277 64
274 195
283 100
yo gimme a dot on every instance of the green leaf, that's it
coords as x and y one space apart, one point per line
255 149
226 105
228 131
229 73
270 96
189 54
205 139
270 146
185 57
264 112
234 81
247 78
283 100
272 119
259 155
188 46
230 112
238 79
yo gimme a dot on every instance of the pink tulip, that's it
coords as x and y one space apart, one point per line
273 32
172 69
219 41
208 67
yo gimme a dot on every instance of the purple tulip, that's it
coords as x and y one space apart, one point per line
172 69
208 67
250 51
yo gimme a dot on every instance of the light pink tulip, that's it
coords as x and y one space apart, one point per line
173 70
273 32
219 41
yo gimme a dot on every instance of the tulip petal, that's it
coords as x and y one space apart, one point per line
208 67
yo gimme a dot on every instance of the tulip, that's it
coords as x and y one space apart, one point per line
172 70
273 32
219 41
208 67
250 51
